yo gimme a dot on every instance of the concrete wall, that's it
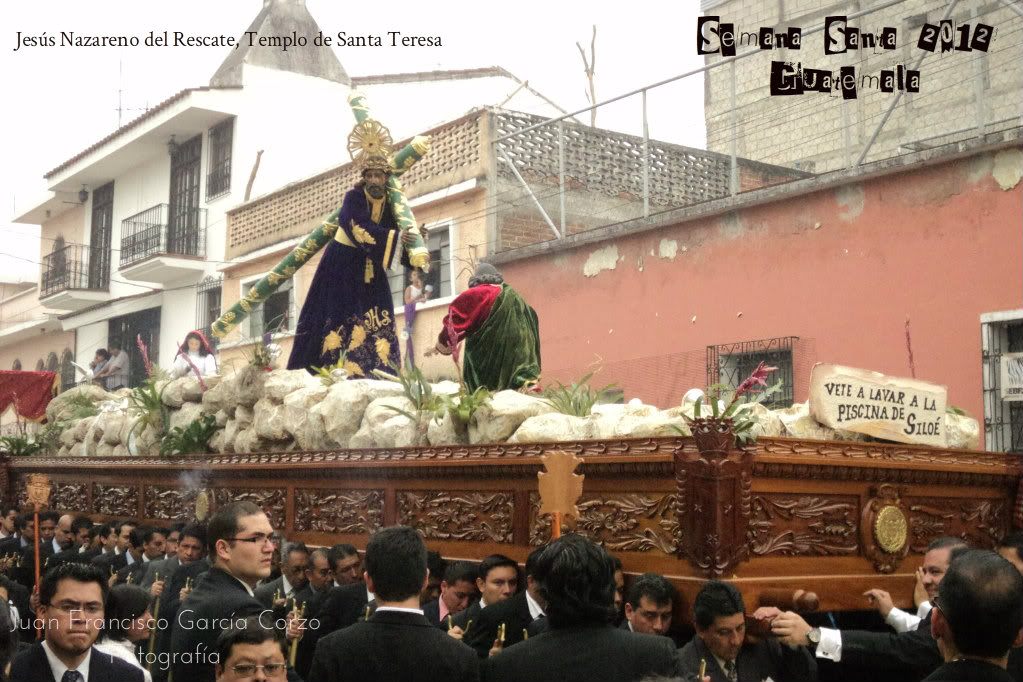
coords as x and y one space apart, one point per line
842 267
811 128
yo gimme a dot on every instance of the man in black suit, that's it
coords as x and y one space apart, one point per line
190 547
977 618
575 578
80 527
515 613
721 642
71 599
457 587
346 564
649 608
913 654
113 559
294 562
497 579
132 564
239 545
318 577
99 536
396 643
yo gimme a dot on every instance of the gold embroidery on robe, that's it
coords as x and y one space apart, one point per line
358 336
383 350
361 235
331 342
388 247
376 207
353 369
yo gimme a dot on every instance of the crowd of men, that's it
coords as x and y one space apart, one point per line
230 602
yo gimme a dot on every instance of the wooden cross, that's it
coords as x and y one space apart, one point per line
560 488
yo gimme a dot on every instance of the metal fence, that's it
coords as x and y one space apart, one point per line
155 232
75 266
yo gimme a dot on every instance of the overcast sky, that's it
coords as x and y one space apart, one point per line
60 100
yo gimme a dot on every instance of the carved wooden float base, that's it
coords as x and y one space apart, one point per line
832 517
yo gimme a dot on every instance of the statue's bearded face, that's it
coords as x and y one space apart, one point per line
376 180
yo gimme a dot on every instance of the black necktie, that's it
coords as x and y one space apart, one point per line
71 676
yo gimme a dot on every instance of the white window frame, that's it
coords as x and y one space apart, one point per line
453 240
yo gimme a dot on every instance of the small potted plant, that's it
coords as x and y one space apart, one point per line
730 419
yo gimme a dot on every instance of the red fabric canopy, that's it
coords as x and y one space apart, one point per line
30 392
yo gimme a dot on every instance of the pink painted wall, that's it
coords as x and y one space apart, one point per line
941 245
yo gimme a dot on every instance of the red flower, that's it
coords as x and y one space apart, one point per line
758 378
145 355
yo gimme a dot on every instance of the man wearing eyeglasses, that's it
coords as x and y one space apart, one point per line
71 608
250 653
240 552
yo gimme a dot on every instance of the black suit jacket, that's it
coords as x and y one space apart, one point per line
265 592
583 654
513 612
217 600
169 606
393 646
914 654
969 671
766 658
432 612
340 607
71 556
462 618
31 665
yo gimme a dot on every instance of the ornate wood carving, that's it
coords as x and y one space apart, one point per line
69 497
271 500
884 528
339 511
621 522
116 500
21 491
804 525
176 504
477 517
717 489
981 523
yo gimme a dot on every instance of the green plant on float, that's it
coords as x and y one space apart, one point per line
579 398
19 446
739 410
194 439
146 404
324 372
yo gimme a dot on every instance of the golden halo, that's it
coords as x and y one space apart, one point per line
369 139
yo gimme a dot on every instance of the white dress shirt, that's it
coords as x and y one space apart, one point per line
902 621
400 609
534 609
58 668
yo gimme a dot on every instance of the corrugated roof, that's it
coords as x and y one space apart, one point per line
131 124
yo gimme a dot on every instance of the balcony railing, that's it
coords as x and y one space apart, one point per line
76 267
158 231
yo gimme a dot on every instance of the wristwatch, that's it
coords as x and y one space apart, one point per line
813 637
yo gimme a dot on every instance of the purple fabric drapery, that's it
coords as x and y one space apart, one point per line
410 321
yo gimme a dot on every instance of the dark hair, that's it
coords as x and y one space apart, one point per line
532 559
1015 541
148 533
202 346
494 561
946 541
114 344
121 524
250 631
477 280
460 570
437 564
340 551
49 516
224 523
8 508
320 551
103 531
194 530
653 586
981 598
617 562
716 598
176 526
72 570
103 353
396 562
80 522
576 578
124 604
23 521
135 538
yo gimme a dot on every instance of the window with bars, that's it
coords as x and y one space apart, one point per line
207 307
218 175
439 278
731 363
1003 419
